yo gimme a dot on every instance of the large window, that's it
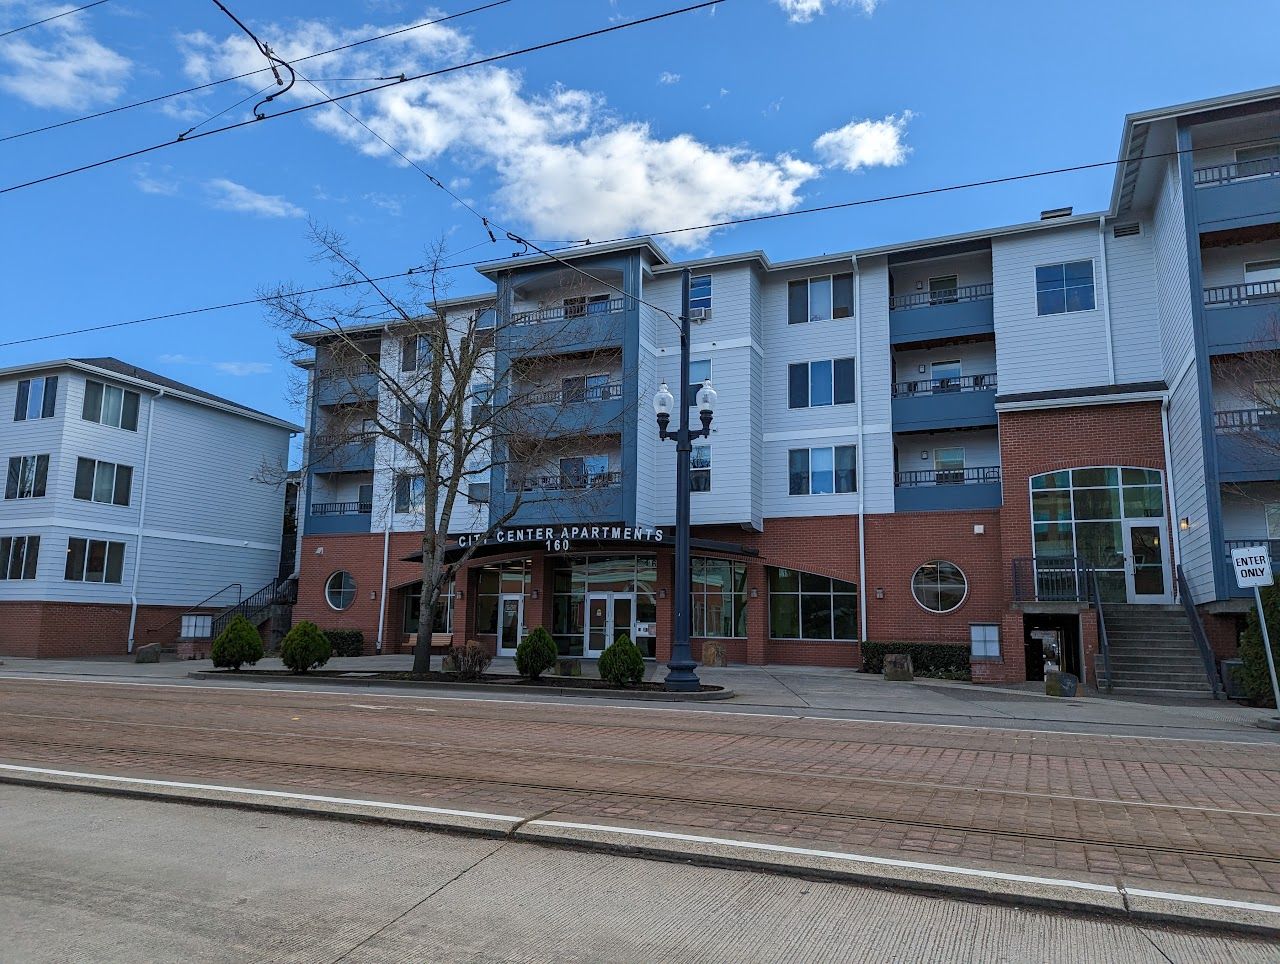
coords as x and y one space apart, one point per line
340 590
804 605
821 298
94 560
719 598
410 493
19 556
826 382
700 468
699 372
103 482
37 398
700 291
496 580
110 405
444 609
826 470
573 578
1064 287
939 586
27 478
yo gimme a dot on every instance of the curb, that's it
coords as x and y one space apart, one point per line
606 694
1112 900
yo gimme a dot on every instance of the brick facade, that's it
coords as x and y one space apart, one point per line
58 630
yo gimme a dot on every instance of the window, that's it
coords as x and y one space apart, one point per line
481 397
478 493
700 468
94 560
699 372
939 586
1272 510
340 590
946 376
1257 153
984 641
415 422
826 382
27 478
575 307
103 482
700 291
110 405
948 463
719 592
36 398
823 471
943 291
18 556
1260 271
580 471
803 605
818 299
494 581
413 352
365 497
1064 287
444 609
410 493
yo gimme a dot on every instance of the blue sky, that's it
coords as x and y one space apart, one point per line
755 107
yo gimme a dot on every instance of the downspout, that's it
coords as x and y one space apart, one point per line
1106 299
142 518
1175 543
859 460
382 599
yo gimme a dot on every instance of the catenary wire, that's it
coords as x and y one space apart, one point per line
64 13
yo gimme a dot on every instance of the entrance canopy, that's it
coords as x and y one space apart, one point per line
577 539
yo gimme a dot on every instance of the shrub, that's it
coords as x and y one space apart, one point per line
938 660
345 642
304 648
536 654
621 663
239 643
1253 675
469 661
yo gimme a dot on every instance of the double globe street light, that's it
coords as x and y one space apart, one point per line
680 669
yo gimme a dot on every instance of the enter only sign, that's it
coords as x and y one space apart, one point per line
1253 566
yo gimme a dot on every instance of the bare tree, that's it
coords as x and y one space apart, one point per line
454 392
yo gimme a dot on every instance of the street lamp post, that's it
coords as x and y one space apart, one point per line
680 670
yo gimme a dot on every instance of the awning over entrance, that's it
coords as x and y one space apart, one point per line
665 542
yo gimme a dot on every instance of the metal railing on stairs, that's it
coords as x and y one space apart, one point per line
1104 647
282 591
1198 634
202 604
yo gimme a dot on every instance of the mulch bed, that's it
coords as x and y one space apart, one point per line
503 679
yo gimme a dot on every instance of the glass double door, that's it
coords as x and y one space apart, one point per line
609 615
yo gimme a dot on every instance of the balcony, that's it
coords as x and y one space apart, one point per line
1273 546
566 328
1248 445
968 401
564 498
583 410
1237 195
331 518
348 385
1239 318
941 315
335 453
935 490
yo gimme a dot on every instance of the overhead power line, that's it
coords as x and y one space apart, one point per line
494 58
64 13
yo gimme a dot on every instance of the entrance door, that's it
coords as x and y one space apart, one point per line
1146 562
510 623
609 615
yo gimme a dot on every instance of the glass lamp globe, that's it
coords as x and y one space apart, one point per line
663 400
707 397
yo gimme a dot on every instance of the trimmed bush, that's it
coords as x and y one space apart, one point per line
1253 675
536 654
345 642
236 645
937 660
469 661
621 663
304 648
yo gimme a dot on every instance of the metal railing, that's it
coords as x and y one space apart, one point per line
202 604
966 476
556 396
1198 634
945 386
559 483
1052 579
1273 546
1236 171
1104 646
351 369
1230 296
946 296
566 312
341 508
283 591
1246 420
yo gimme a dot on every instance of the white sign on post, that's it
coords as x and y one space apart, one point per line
1253 566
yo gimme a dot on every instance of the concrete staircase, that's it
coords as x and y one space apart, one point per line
1153 652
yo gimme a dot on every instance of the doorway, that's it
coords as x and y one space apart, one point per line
1052 641
1146 563
510 622
609 615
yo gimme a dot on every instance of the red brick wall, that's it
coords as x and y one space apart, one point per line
1223 631
58 630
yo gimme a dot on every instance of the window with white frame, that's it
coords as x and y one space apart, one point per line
340 590
37 398
110 405
700 292
1257 272
19 556
1063 288
27 478
984 641
413 353
699 372
825 470
94 560
700 468
410 493
830 381
819 299
103 482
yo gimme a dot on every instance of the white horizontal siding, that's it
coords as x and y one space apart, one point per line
1135 313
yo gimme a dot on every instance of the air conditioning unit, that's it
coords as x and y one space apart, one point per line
699 314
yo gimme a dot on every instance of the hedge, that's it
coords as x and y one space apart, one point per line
1254 676
345 642
946 660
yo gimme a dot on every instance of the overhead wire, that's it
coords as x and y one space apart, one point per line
64 13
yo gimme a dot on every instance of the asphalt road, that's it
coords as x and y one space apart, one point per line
96 878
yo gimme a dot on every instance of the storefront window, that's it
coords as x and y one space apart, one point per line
804 605
495 581
574 577
413 608
719 598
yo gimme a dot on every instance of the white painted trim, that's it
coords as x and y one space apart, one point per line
1106 299
834 432
142 519
1079 401
81 525
859 462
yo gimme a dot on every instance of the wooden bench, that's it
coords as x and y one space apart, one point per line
440 643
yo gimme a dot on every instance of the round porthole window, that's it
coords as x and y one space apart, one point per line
340 590
939 586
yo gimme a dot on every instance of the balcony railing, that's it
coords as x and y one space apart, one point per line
947 296
556 396
566 312
1246 420
945 386
1229 296
341 508
333 440
566 483
349 369
1237 171
1051 579
966 476
1273 546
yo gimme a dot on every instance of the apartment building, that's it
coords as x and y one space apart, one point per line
130 499
988 439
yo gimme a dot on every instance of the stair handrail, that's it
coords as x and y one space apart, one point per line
1198 634
201 605
264 597
1104 647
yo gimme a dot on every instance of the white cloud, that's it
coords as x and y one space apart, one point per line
390 203
802 11
241 368
150 181
866 143
59 64
179 360
230 196
667 77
